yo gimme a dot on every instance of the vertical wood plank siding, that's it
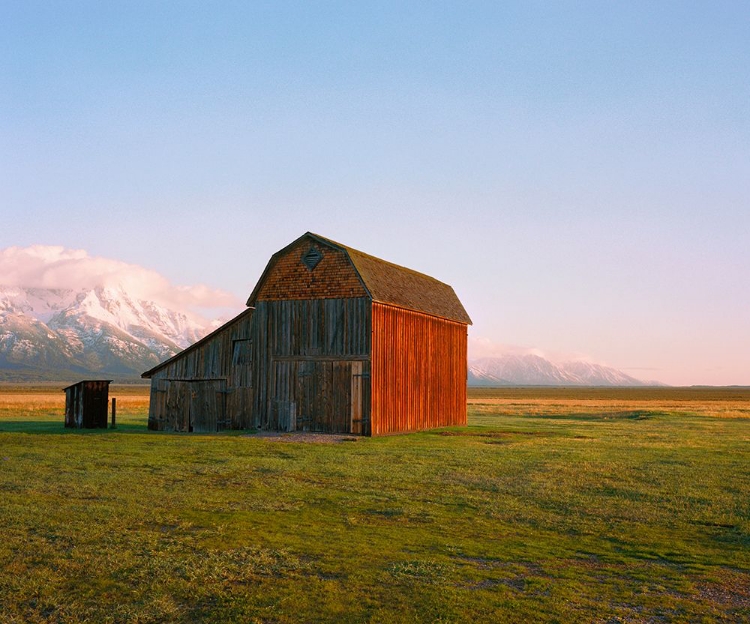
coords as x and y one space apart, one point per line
312 328
310 353
418 374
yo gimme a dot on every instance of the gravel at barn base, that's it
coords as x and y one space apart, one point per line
316 438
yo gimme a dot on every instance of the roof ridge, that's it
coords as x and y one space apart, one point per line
349 249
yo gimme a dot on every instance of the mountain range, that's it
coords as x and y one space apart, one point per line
534 370
60 334
48 333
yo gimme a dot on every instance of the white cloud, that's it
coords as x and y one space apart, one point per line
42 266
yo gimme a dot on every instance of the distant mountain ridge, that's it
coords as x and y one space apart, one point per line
534 370
55 333
58 334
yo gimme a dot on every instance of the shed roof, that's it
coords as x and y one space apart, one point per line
83 381
389 283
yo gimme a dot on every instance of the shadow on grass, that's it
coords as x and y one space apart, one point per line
624 415
48 427
42 427
484 433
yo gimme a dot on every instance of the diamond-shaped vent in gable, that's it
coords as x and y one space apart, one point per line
312 257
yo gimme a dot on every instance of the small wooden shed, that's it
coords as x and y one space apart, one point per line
334 340
86 404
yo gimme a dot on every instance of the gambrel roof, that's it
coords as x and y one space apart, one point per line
388 283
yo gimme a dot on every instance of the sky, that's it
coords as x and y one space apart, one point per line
579 172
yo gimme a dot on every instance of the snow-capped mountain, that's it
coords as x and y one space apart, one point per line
100 330
59 333
534 370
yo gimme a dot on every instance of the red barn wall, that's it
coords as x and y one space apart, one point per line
418 371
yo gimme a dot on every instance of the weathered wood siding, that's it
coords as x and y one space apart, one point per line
209 386
312 369
87 405
418 371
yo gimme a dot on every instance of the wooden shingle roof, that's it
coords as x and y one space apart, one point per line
391 284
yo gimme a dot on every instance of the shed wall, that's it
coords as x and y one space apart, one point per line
418 371
87 405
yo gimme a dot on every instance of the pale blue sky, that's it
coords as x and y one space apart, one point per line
578 171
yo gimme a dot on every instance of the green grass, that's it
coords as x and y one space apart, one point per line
537 511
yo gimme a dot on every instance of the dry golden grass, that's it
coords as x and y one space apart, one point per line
714 402
20 399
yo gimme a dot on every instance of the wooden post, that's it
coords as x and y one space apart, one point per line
114 413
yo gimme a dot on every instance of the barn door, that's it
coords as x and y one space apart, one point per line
283 408
177 412
333 396
310 395
359 408
207 409
320 395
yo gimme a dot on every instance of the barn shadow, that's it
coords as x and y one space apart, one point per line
46 427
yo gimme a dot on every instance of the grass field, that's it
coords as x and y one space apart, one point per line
560 505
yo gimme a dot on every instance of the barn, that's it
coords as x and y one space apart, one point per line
333 340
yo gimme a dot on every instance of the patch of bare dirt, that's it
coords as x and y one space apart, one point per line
313 438
731 590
